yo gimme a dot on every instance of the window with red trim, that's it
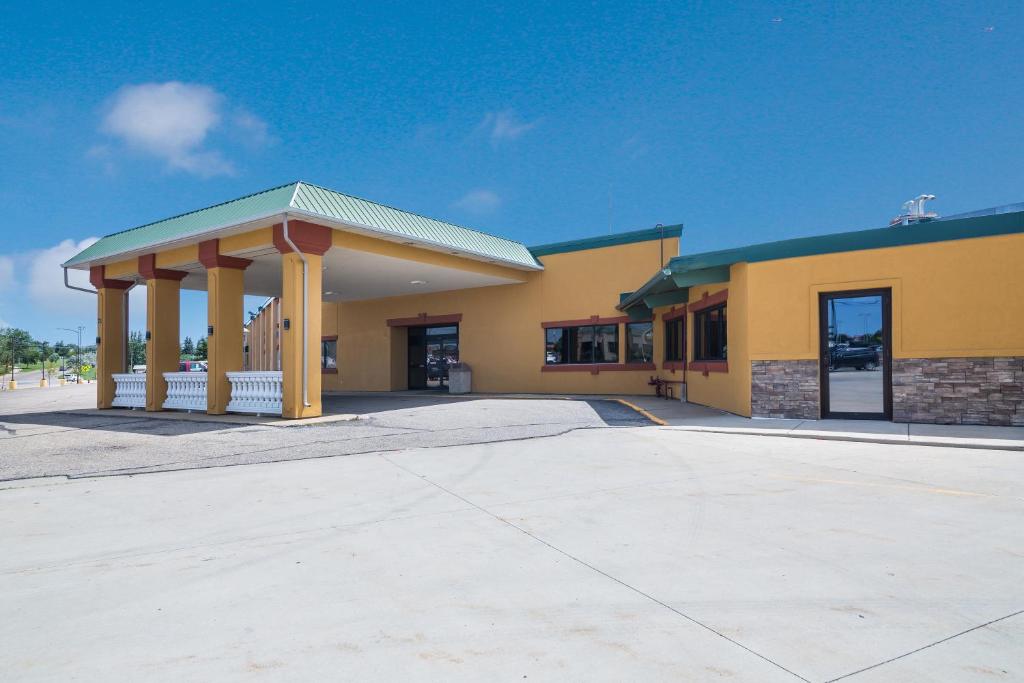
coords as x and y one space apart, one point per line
675 339
710 340
640 342
329 355
583 344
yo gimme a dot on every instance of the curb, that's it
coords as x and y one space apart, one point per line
855 438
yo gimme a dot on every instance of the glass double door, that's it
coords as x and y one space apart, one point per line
431 351
856 348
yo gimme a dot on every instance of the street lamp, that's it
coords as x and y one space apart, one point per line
79 333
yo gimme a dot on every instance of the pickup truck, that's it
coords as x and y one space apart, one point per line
860 357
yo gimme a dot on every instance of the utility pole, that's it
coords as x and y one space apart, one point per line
77 331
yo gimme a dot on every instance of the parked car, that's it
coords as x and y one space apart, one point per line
859 357
192 366
437 367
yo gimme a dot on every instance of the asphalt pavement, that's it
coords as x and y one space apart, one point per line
55 432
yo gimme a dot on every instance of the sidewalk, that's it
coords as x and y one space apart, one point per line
691 417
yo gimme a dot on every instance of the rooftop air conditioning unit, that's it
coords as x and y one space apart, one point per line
913 212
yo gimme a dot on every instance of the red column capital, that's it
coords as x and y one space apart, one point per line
308 237
210 257
98 278
148 270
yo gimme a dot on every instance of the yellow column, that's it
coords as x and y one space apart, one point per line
224 304
111 334
163 347
110 342
291 338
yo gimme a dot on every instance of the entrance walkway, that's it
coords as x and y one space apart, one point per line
692 417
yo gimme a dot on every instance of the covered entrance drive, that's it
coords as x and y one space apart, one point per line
306 246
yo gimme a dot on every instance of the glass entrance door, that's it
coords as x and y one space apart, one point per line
855 354
431 351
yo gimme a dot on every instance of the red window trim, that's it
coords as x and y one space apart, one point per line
674 314
592 320
597 368
674 365
329 337
708 301
706 366
424 319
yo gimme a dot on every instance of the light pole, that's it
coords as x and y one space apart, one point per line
79 333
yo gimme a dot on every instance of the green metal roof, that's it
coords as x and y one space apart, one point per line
645 235
315 202
711 266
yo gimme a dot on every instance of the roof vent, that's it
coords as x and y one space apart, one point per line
913 212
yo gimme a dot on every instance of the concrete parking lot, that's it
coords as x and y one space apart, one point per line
594 552
52 432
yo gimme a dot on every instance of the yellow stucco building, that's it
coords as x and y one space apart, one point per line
919 322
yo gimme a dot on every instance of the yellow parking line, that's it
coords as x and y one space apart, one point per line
653 418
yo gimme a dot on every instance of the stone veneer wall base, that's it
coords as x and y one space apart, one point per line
975 391
785 388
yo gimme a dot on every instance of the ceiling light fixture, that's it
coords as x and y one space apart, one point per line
417 282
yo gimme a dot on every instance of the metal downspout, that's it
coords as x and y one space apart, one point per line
71 286
305 311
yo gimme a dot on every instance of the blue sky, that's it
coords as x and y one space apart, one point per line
747 122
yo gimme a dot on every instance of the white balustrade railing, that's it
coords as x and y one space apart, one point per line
129 390
185 391
256 392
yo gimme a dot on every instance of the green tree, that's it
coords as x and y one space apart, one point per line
54 361
14 344
201 349
136 350
188 348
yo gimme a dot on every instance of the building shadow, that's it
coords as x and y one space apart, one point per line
367 403
115 420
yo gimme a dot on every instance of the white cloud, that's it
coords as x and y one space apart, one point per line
44 281
501 126
36 278
250 129
6 272
478 201
173 121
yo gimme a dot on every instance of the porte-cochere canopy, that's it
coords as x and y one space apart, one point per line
300 242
